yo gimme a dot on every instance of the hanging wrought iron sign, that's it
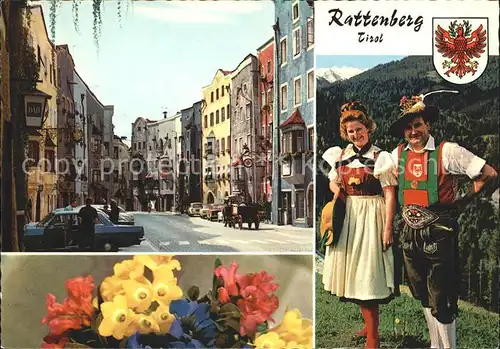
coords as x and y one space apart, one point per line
248 162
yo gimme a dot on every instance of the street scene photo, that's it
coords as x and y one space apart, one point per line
157 126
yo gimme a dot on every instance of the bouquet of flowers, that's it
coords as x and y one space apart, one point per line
141 306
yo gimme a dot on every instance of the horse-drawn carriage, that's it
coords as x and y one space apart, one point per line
236 213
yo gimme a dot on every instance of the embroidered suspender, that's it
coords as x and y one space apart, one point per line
434 169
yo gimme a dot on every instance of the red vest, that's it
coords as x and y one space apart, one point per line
359 181
424 181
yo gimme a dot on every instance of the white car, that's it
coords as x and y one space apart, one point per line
194 208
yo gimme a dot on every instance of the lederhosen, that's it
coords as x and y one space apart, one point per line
430 231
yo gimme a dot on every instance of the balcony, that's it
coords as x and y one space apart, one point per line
293 168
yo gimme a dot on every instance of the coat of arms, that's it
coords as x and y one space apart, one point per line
417 170
460 48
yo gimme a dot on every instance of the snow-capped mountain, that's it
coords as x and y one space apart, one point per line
327 76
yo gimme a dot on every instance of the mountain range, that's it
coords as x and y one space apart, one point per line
327 76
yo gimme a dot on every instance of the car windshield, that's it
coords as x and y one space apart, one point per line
46 219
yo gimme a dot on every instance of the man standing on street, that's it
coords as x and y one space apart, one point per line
88 217
426 170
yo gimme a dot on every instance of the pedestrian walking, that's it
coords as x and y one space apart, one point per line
88 218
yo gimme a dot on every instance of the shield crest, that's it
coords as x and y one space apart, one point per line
417 170
460 48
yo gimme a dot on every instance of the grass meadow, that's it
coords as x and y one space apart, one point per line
402 323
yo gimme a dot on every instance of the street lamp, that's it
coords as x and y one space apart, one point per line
35 106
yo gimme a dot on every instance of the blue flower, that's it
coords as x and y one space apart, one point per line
192 327
133 342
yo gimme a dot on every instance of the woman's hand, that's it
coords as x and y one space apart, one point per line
387 239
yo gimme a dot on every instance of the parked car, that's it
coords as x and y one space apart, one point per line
124 217
214 211
204 211
194 208
59 230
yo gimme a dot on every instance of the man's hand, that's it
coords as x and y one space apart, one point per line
387 238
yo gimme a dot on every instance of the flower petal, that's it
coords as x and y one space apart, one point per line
176 329
179 307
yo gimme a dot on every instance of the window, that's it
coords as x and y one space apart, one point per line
297 92
222 114
34 151
283 51
211 119
296 42
217 119
223 144
229 143
248 111
263 98
300 141
263 130
270 97
210 146
284 97
310 132
241 145
270 131
228 111
59 77
212 96
222 91
235 144
217 94
241 114
295 12
310 85
217 147
206 121
115 152
310 32
269 67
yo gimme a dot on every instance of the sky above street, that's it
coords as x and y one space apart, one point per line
163 53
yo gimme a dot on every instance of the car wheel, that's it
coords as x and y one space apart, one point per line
109 247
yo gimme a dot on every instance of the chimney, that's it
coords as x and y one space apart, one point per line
164 114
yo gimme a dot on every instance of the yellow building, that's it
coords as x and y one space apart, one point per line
216 144
42 145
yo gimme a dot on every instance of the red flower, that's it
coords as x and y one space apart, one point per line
229 277
75 312
223 295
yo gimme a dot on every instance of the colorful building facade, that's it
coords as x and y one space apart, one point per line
294 113
42 166
265 56
216 145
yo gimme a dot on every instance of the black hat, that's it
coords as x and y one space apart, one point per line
411 108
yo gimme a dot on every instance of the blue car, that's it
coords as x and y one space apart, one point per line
59 230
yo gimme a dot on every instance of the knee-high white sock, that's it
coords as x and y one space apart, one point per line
433 330
447 334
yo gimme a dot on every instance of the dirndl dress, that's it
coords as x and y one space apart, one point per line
357 269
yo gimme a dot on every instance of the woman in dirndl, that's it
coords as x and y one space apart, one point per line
359 268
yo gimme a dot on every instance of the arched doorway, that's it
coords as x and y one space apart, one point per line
210 198
310 205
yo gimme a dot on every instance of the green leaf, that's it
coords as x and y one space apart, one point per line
262 327
215 279
235 325
123 343
96 321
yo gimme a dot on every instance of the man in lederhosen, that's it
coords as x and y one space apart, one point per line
426 169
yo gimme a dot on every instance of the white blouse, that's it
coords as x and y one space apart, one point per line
383 165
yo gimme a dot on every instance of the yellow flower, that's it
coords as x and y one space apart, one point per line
139 295
147 324
295 330
110 287
155 261
270 340
165 287
117 318
129 269
397 321
163 318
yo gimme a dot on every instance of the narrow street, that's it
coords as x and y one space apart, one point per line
167 232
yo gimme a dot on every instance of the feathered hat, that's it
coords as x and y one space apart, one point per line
413 107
